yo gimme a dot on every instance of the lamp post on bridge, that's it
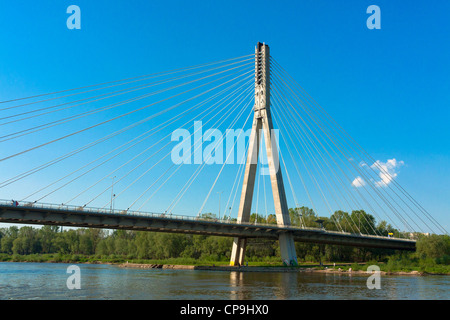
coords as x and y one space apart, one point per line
297 209
111 208
220 193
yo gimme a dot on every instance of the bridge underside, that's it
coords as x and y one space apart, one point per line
160 223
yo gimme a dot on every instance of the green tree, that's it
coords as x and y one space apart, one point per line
364 222
384 229
271 219
208 216
102 247
343 220
307 216
47 235
71 240
259 218
143 245
121 246
433 246
26 242
9 235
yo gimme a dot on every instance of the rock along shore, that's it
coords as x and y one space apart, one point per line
209 268
258 269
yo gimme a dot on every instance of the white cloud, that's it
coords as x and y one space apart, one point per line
358 182
387 171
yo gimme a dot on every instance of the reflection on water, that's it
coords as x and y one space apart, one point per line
48 281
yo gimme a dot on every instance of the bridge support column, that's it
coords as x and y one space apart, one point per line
287 249
262 124
238 252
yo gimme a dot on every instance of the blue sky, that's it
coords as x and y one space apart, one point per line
388 88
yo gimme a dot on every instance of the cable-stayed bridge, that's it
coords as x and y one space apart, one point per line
209 148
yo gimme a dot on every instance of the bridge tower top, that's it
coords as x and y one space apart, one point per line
262 78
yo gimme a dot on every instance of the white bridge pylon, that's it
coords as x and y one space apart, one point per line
262 125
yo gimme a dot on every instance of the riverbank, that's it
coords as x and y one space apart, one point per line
210 267
326 270
389 268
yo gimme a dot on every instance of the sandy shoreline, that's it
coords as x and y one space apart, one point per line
311 269
259 269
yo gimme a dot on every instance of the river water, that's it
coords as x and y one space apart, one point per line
48 281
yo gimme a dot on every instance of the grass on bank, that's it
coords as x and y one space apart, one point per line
117 259
404 264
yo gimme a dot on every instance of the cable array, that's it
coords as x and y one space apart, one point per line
336 174
81 143
111 145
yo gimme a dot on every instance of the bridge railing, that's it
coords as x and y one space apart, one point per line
94 210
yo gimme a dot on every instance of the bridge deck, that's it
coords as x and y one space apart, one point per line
62 215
